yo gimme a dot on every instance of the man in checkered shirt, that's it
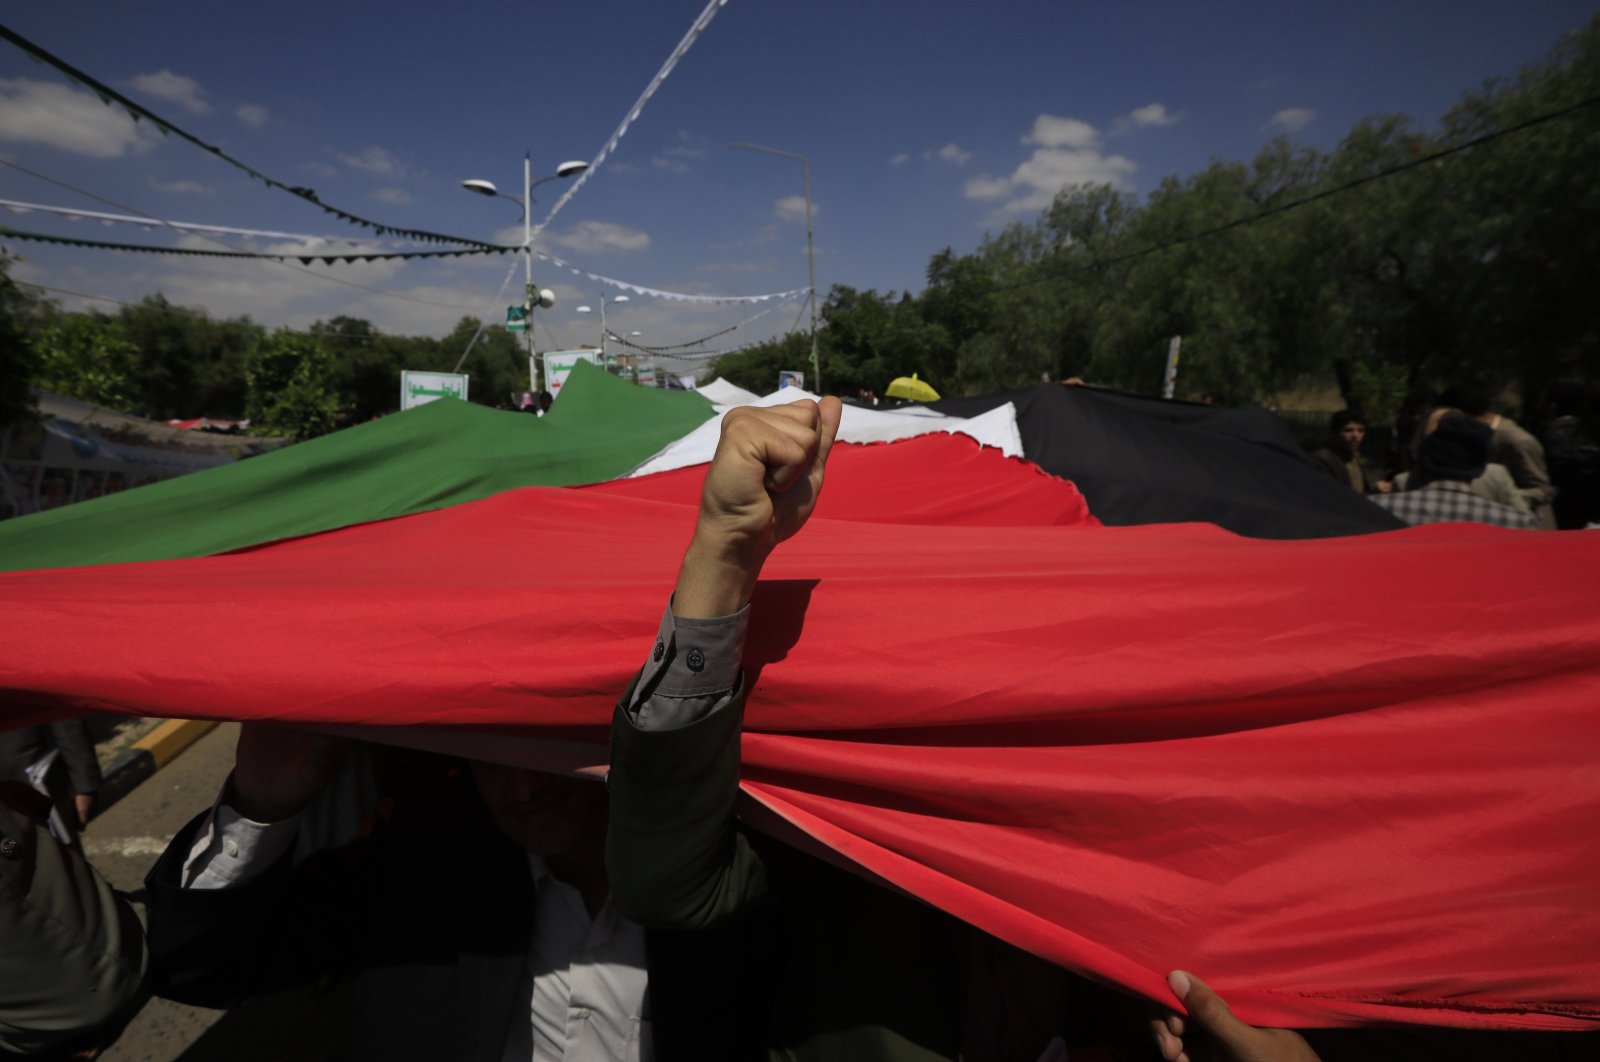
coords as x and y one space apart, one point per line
1450 458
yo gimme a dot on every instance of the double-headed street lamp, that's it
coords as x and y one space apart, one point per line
531 296
590 309
811 259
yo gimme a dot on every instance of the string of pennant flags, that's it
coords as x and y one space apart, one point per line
137 112
695 29
687 355
674 296
111 97
151 224
305 258
666 351
7 232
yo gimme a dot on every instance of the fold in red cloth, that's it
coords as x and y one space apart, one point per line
1346 780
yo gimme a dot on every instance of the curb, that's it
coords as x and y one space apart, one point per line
148 755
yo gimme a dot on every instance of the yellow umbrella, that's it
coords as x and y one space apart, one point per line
911 388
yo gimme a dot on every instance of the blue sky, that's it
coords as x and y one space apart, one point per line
927 124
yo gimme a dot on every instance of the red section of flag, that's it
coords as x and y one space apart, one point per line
1348 779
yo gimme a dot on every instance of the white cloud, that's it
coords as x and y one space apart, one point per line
953 154
764 265
174 88
1052 131
1290 120
793 208
1149 116
182 187
69 119
319 169
1049 170
252 114
392 196
676 160
1067 151
900 159
374 160
988 187
596 237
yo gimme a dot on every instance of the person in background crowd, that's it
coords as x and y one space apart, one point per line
1495 485
1449 459
57 759
1573 447
73 959
1341 458
475 919
1512 446
1408 432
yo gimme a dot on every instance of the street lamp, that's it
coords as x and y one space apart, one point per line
590 309
811 259
531 296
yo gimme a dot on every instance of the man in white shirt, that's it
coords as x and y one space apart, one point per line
476 921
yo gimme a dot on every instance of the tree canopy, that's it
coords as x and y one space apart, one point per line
1405 258
1446 261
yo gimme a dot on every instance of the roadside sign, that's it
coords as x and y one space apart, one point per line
558 366
516 318
420 388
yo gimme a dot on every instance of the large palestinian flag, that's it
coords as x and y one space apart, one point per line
1346 779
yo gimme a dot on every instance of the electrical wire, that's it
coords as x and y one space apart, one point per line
265 256
809 296
71 214
696 28
1295 204
108 95
222 243
76 294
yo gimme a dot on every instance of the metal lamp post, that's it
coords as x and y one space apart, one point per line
811 258
530 296
589 309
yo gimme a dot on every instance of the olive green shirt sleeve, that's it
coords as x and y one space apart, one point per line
74 966
673 854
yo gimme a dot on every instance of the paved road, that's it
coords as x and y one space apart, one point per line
123 843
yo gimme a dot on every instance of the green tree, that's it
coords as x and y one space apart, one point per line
756 367
19 361
497 366
367 365
289 381
189 364
85 356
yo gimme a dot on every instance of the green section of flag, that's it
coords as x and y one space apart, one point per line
431 457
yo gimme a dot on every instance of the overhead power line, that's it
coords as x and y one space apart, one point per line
223 243
267 256
136 111
1295 204
148 223
77 294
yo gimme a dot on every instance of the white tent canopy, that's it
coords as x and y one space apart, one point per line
722 394
997 427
